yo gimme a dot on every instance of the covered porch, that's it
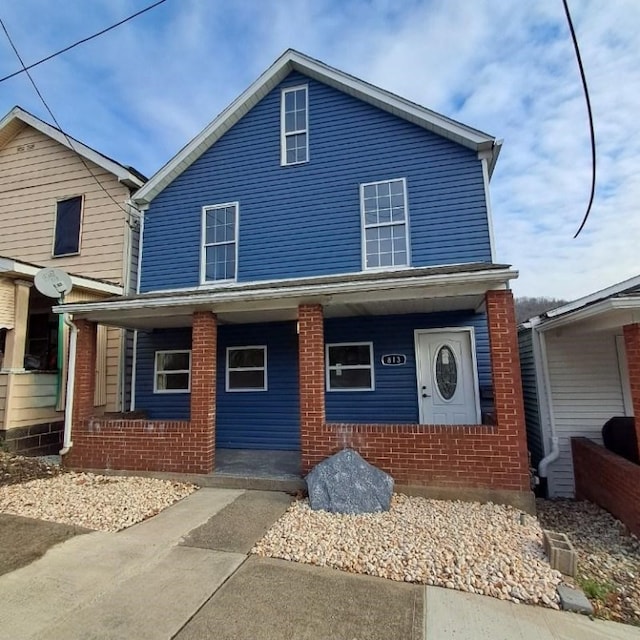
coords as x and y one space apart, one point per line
357 365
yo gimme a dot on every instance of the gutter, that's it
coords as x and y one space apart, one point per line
67 443
540 344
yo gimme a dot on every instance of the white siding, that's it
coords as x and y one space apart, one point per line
586 392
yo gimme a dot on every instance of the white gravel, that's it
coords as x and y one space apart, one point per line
105 503
480 548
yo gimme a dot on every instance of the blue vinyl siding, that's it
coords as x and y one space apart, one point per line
270 419
260 419
169 406
395 396
248 420
304 220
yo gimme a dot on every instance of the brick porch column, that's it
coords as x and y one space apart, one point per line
204 335
507 382
632 348
311 381
85 374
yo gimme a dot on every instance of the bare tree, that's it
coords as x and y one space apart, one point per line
527 307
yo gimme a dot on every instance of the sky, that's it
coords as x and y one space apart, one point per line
140 92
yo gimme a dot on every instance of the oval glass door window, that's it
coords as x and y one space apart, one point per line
446 372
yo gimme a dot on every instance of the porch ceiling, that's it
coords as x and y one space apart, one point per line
425 290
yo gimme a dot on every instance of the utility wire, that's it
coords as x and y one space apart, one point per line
79 42
69 140
588 101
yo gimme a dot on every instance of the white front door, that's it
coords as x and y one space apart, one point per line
447 380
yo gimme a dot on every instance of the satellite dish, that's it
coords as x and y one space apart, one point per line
53 283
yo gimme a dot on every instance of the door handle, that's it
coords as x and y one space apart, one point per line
426 395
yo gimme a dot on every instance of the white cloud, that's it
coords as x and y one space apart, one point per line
508 68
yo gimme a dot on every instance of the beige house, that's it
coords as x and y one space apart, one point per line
62 205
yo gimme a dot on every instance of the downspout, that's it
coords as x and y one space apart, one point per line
71 377
554 454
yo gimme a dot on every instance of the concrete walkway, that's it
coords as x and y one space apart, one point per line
185 574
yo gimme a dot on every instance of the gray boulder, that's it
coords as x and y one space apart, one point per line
346 483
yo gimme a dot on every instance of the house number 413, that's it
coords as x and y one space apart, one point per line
394 359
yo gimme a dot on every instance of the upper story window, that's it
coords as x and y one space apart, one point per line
219 242
172 372
295 125
385 230
66 237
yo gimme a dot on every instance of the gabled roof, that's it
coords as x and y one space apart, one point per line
622 295
16 120
290 61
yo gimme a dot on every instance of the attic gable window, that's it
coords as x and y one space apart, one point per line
294 125
385 228
66 240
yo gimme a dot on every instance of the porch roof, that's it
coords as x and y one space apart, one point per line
420 290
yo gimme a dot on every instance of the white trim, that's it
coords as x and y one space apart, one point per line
263 369
474 364
615 289
55 227
623 368
203 245
169 372
284 134
23 269
290 61
140 248
124 175
371 366
586 312
134 373
364 226
484 160
492 279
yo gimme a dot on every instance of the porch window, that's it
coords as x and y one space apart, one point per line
246 368
294 125
219 242
172 372
350 366
385 238
66 241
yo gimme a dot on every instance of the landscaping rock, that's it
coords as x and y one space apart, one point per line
346 483
574 600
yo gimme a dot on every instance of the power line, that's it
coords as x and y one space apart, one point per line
588 101
44 102
25 69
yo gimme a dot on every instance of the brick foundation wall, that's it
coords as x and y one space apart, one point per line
492 457
185 446
632 349
608 480
136 445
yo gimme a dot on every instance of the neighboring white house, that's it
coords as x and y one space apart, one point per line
575 376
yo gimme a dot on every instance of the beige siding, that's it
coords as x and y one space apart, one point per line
33 399
7 302
586 391
35 172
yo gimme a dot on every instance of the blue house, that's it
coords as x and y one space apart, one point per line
317 271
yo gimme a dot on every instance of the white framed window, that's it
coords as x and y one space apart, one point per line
172 372
385 227
219 243
294 125
67 227
349 366
246 368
